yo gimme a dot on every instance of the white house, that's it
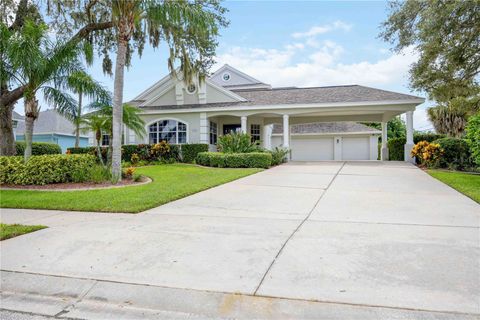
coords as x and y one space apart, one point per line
317 123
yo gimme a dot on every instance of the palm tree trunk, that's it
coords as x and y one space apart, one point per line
31 113
7 139
77 120
117 110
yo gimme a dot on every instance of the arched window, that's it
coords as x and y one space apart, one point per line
172 131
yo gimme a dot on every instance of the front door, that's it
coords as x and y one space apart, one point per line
228 128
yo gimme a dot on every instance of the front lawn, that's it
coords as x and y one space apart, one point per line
170 182
8 231
466 183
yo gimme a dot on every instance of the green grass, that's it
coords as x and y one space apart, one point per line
170 182
8 231
466 183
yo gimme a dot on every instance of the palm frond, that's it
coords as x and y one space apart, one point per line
62 102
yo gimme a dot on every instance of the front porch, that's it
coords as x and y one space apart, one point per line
259 124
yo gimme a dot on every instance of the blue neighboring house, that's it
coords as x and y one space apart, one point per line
54 128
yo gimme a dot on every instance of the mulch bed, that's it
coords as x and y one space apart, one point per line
76 186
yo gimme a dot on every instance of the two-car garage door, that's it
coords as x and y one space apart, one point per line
315 148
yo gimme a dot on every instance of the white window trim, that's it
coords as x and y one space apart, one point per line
147 128
210 131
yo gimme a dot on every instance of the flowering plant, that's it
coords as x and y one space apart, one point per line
428 154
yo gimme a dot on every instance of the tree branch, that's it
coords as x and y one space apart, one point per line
91 27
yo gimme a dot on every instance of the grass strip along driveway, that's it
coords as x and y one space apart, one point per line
466 183
170 182
8 231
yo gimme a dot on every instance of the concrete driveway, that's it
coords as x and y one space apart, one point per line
366 239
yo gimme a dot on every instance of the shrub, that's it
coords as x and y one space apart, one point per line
237 142
456 153
89 150
160 150
279 155
99 174
174 152
217 159
44 169
190 151
235 160
472 137
396 149
134 158
38 148
128 172
258 160
426 136
428 154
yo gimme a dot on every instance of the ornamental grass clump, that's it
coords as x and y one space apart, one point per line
237 142
429 154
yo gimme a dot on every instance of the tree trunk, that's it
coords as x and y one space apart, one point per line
118 110
31 114
7 140
77 120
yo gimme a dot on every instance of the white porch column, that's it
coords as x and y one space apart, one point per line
286 131
244 124
384 150
203 128
267 136
409 143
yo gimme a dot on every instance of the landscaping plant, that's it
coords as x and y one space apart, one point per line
279 155
38 148
455 153
427 153
473 137
237 142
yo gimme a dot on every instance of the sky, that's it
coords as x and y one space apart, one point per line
295 43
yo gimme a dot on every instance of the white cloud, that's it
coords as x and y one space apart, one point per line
290 66
316 30
322 66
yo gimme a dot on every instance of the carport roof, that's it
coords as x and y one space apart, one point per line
293 95
327 127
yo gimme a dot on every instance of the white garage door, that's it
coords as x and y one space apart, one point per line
311 148
355 148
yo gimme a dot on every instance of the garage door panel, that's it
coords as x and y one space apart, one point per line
311 148
355 148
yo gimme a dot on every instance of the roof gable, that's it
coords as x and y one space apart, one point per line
170 91
229 77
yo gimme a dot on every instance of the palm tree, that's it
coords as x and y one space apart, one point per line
96 123
41 66
130 119
82 84
188 29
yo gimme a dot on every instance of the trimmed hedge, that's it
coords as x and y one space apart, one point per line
44 169
190 151
396 146
184 152
396 149
456 153
429 137
235 160
38 148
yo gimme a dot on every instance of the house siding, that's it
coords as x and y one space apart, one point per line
64 141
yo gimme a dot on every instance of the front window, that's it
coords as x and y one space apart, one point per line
105 139
171 131
213 133
255 132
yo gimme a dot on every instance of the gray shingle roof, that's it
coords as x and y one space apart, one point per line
326 127
333 94
49 121
352 93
